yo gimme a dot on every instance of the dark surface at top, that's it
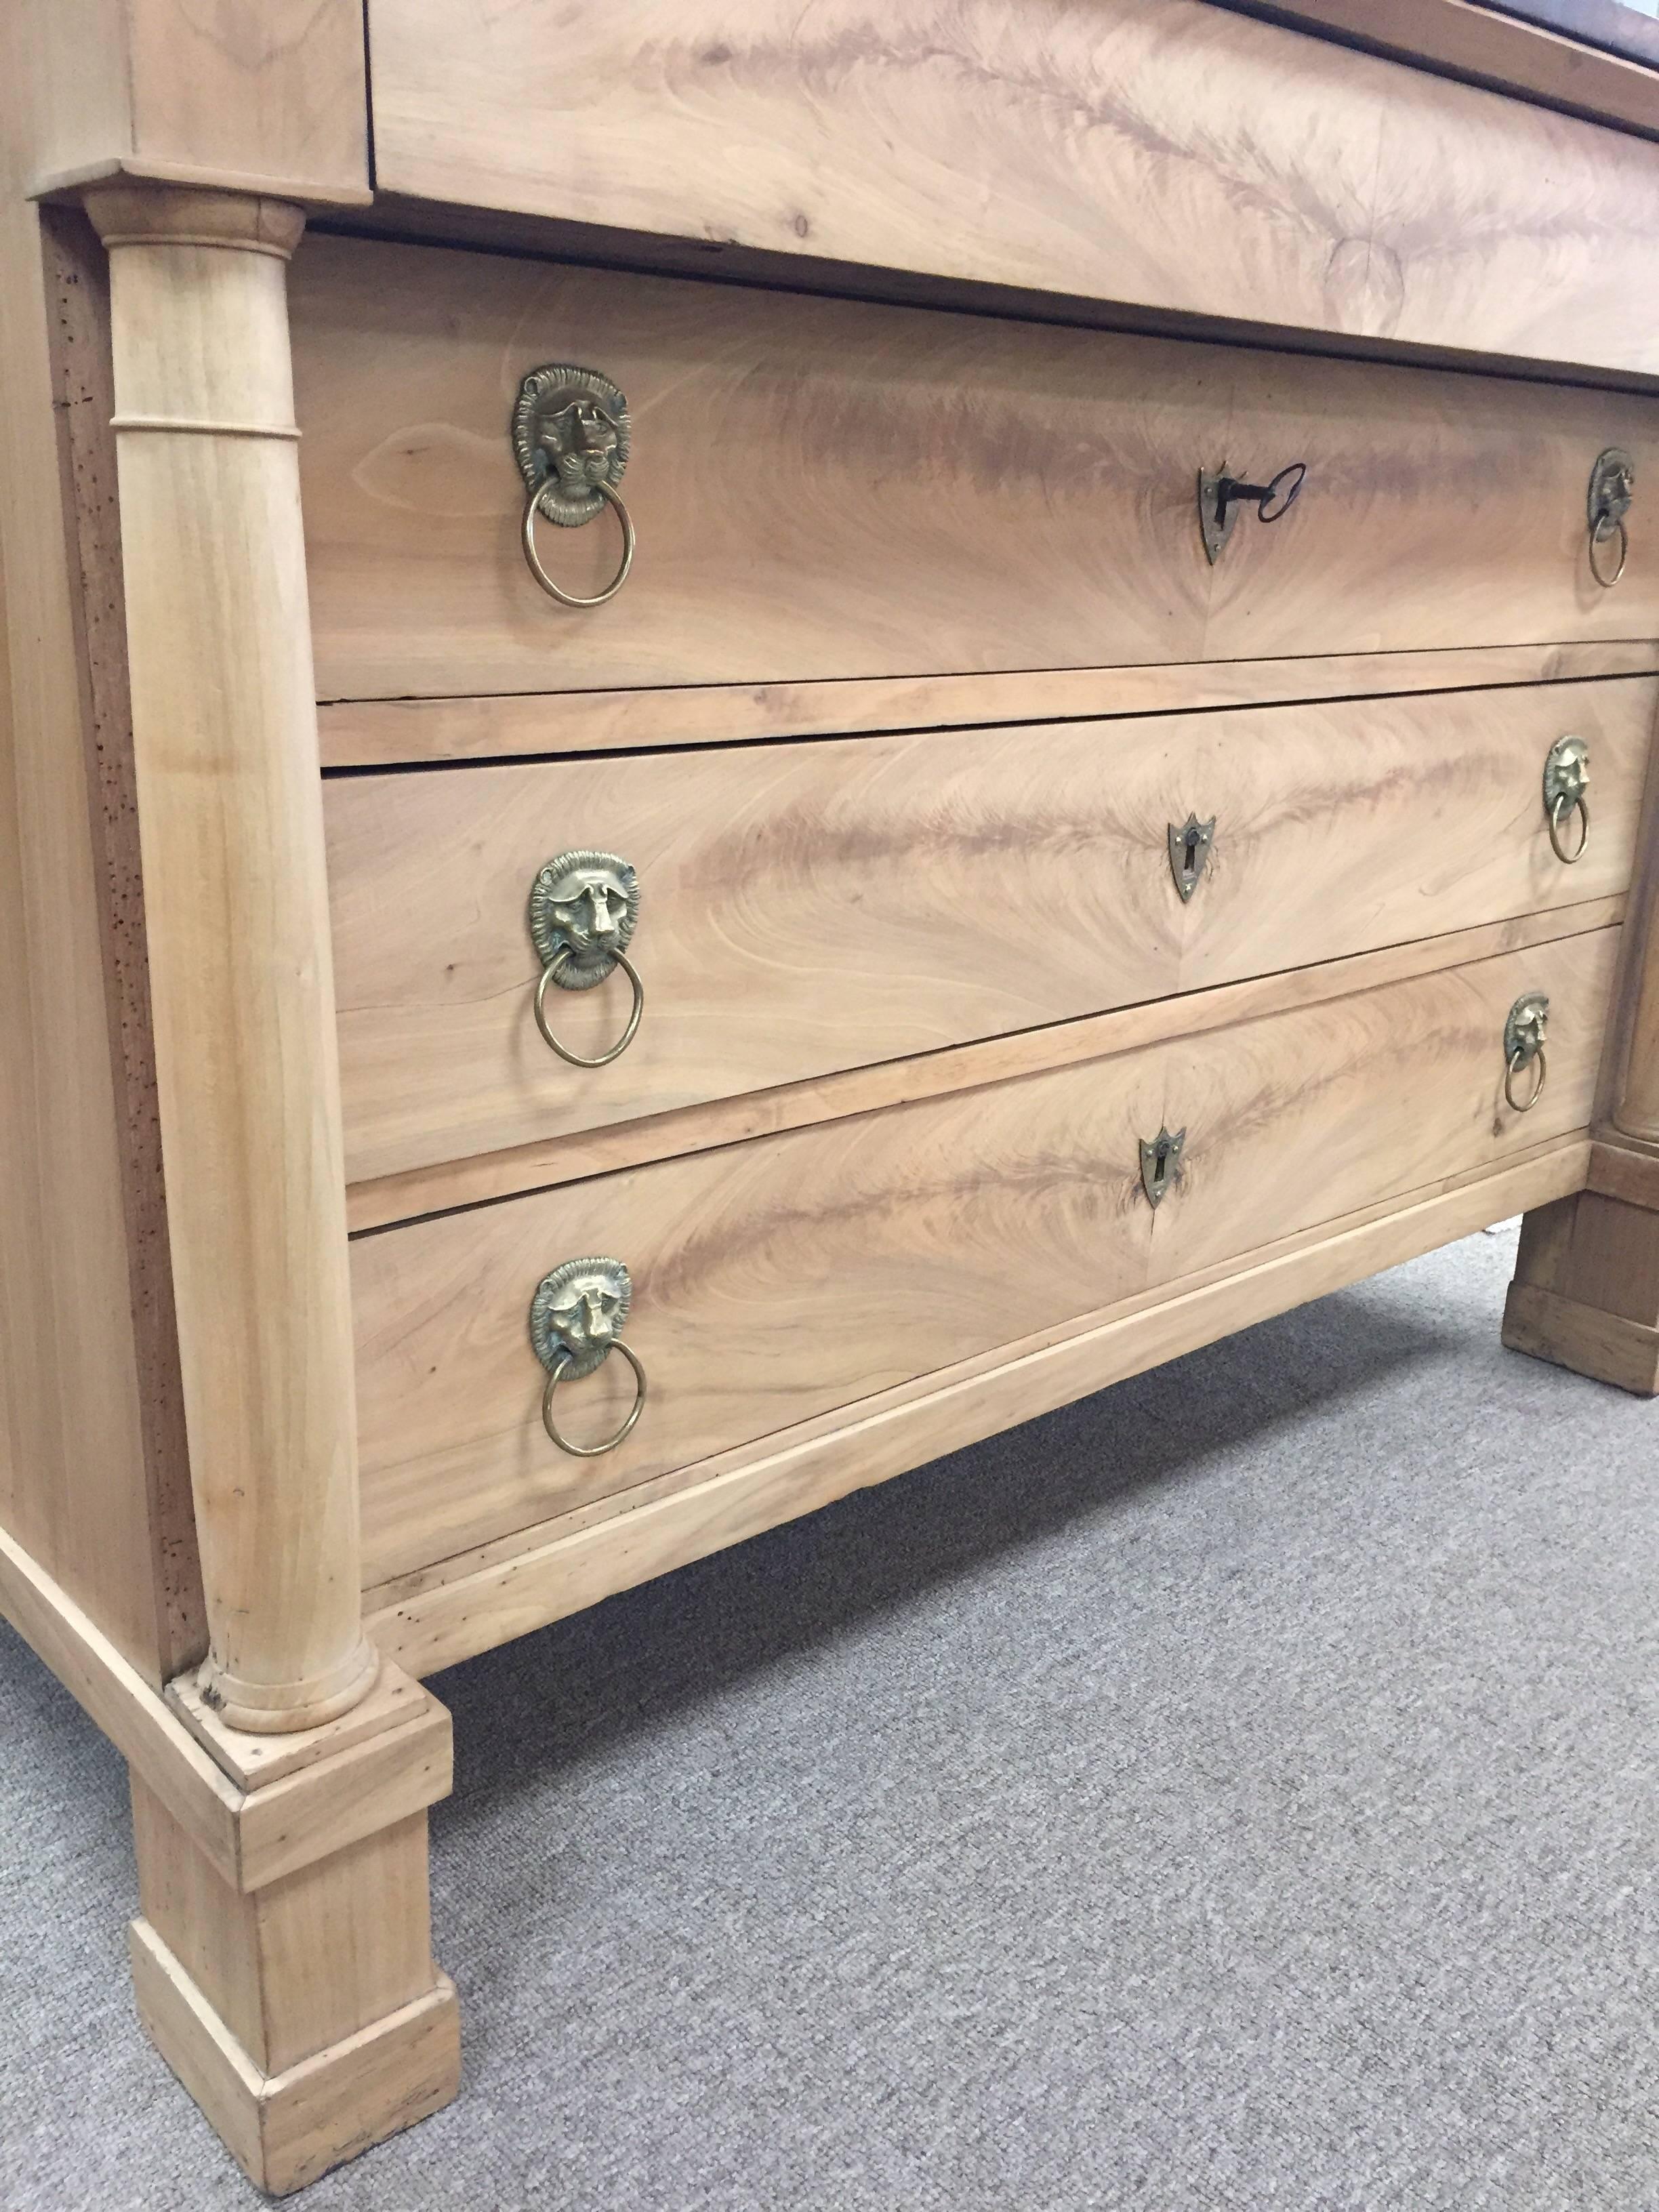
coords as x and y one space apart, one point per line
1616 25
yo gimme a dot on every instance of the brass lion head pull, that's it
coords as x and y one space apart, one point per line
1567 786
1612 488
1523 1047
576 1320
583 909
570 436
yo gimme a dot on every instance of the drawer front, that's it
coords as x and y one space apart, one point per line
810 908
1160 152
826 488
779 1279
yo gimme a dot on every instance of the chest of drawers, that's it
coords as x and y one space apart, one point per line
685 829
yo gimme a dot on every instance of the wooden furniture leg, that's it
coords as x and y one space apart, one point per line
1586 1287
305 2014
282 1960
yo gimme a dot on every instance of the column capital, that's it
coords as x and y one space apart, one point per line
130 214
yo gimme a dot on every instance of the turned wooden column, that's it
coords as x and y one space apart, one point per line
1638 1111
1586 1287
230 826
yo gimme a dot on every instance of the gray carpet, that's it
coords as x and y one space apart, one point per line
1234 1791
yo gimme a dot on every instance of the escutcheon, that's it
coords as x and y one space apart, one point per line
1189 850
1221 494
1160 1165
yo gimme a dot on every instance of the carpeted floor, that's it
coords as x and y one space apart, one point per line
1237 1791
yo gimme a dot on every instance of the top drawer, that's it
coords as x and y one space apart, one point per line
1167 153
827 489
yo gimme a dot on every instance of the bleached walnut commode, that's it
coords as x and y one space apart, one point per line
811 729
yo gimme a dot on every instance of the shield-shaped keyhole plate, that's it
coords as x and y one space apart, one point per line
1190 848
1160 1163
1214 526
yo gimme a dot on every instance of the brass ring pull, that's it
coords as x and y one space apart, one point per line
556 591
584 909
576 1321
1523 1047
1604 527
1512 1068
550 974
571 434
1561 811
555 1376
1566 786
1612 488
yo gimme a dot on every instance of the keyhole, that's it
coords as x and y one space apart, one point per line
1191 850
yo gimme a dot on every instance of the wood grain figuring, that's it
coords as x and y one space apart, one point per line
269 94
811 908
824 489
1439 510
853 491
1472 40
812 1270
547 1574
1160 153
505 1551
75 1474
455 1183
224 749
389 733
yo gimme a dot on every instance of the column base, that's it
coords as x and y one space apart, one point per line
286 2129
258 1709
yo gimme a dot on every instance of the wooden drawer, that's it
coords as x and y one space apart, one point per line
810 908
826 488
1163 152
777 1279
